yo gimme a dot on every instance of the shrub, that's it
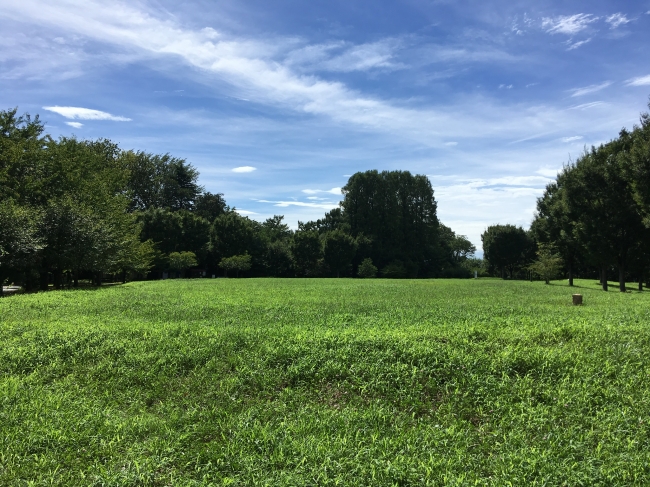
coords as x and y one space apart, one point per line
367 269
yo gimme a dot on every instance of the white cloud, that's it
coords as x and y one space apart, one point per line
245 212
569 24
85 114
451 144
590 89
549 172
639 81
572 139
336 191
342 57
584 106
244 169
76 125
616 20
576 45
284 204
507 87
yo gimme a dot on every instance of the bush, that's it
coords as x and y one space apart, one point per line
394 270
367 269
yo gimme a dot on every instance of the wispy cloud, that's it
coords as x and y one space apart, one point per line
284 204
639 81
244 169
76 125
336 191
245 212
616 20
344 57
569 24
589 89
584 106
576 45
572 139
79 113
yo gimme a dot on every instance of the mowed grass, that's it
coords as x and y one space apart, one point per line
325 382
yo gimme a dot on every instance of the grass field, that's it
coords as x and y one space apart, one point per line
325 382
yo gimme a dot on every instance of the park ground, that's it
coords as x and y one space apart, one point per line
325 382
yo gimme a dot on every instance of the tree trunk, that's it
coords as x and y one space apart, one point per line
621 277
570 274
641 276
44 280
603 279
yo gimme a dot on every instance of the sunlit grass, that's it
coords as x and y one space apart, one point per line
325 382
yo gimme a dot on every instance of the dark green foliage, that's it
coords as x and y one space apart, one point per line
237 263
339 249
163 181
307 251
397 212
210 206
181 261
507 248
367 269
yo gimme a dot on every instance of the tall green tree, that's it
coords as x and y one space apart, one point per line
397 212
506 248
601 198
19 240
161 181
339 249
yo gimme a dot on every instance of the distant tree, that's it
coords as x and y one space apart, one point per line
181 261
236 263
395 270
397 212
338 251
548 264
600 198
161 181
274 229
307 250
506 248
210 206
278 259
19 240
367 269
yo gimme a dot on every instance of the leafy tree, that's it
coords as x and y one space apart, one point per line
307 250
236 263
637 164
367 269
397 212
506 248
274 229
395 270
19 240
160 181
233 234
554 224
210 206
21 158
278 259
548 264
338 251
601 199
181 261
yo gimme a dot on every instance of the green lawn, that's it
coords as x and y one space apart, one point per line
325 382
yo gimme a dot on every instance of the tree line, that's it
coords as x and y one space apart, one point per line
592 221
75 209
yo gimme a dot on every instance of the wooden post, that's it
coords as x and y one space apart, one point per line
577 299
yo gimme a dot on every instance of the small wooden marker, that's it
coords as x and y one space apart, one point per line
577 299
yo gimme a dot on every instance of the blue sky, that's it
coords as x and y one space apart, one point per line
277 102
